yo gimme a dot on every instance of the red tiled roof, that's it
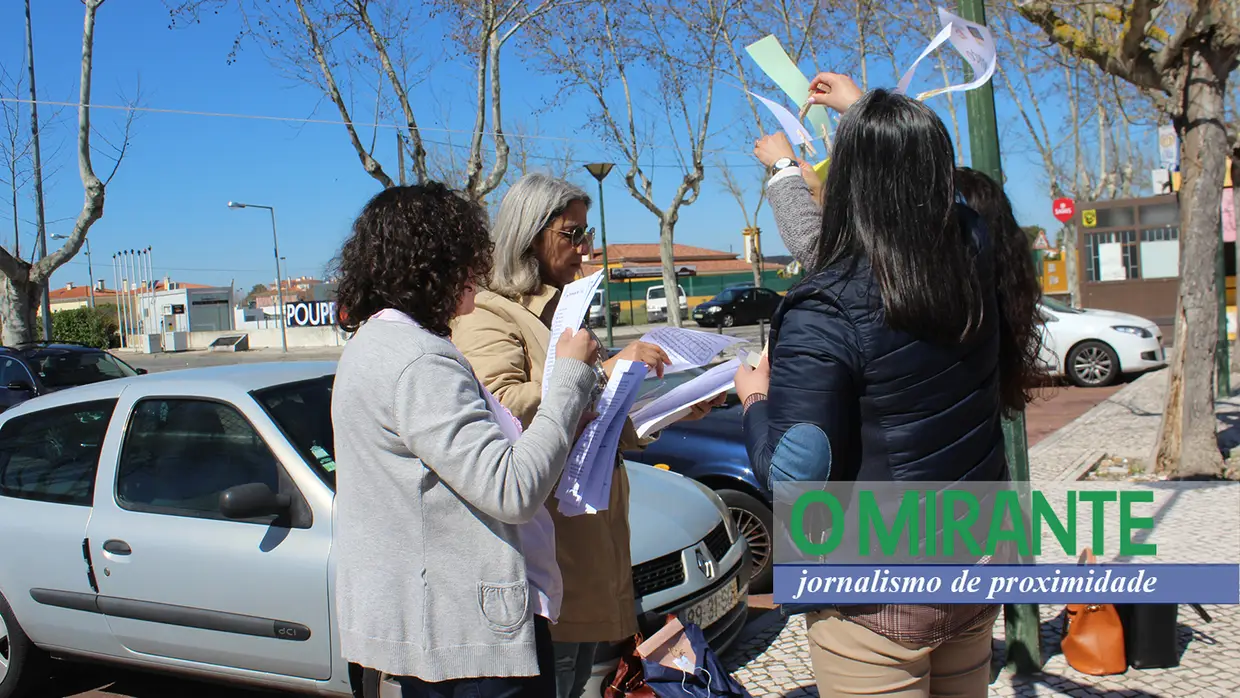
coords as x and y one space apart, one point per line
710 266
647 253
64 295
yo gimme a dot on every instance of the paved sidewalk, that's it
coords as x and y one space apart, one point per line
773 661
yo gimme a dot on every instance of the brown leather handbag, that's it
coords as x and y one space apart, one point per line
1093 641
630 679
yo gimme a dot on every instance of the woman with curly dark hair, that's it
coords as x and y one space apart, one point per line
445 566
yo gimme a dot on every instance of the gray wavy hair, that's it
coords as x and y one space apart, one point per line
530 204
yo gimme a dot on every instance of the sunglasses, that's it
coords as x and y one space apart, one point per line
577 236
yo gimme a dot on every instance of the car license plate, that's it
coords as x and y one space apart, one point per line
699 316
712 608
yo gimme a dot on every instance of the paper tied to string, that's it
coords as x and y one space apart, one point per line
972 41
797 133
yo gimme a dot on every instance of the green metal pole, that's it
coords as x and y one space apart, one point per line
1024 649
1222 354
602 217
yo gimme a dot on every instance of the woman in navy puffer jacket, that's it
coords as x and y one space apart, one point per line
893 361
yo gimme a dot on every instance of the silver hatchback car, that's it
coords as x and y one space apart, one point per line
182 521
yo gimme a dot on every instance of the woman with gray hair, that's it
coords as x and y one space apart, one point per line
540 237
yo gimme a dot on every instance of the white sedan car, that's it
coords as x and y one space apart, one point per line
183 522
1096 347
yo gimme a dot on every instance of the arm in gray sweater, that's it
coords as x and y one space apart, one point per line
445 421
797 216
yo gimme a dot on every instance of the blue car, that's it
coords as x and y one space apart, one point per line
712 451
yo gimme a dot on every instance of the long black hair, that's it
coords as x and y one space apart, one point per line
890 198
1016 281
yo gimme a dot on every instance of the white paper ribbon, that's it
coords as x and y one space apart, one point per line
972 41
797 133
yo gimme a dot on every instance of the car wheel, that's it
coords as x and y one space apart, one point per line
21 663
754 522
728 320
1092 365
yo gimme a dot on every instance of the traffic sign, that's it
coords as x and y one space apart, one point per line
1064 210
1042 243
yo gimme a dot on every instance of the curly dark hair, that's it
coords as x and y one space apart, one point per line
414 249
1019 290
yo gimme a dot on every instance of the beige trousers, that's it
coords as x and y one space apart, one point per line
851 660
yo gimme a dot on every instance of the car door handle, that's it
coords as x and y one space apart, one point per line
117 547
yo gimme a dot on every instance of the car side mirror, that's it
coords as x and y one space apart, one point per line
140 371
20 386
1047 317
253 500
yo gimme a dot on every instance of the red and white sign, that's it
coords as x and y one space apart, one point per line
1064 210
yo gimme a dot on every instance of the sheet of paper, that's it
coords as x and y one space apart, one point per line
778 66
676 403
797 133
937 41
688 348
585 487
569 314
976 44
1111 262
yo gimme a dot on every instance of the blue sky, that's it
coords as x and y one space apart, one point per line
172 189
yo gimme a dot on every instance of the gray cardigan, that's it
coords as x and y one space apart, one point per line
429 577
797 215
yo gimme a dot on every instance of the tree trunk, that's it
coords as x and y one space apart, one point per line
1188 441
671 290
17 310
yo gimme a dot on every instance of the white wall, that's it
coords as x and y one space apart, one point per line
298 337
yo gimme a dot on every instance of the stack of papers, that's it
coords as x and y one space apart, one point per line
569 314
677 402
688 348
585 487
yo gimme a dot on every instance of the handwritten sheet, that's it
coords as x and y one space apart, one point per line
778 66
585 487
972 41
676 403
569 314
688 348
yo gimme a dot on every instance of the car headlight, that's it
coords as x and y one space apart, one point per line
713 309
1129 329
728 521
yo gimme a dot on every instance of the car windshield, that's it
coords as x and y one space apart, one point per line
66 368
657 292
303 411
1059 307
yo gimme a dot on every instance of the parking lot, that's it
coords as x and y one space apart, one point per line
1055 407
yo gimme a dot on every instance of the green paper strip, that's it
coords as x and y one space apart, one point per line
774 61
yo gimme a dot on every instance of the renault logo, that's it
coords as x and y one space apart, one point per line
705 564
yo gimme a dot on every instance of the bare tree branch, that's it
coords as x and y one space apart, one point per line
369 164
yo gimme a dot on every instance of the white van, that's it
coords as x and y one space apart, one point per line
656 303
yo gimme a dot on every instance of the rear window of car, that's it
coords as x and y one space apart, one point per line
53 455
66 369
303 411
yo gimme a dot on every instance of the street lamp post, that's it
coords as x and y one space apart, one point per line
275 241
600 170
1024 651
90 270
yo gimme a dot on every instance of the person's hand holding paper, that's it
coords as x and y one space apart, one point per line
703 408
643 352
834 91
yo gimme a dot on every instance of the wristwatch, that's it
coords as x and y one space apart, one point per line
783 164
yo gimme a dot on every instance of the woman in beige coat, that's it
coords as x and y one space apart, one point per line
540 236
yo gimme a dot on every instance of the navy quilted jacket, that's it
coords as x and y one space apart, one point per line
891 406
